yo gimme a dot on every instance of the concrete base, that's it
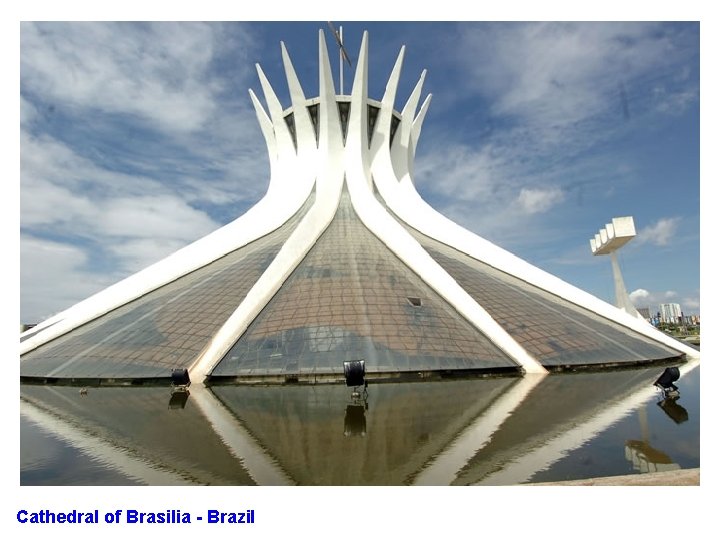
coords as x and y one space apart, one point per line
683 477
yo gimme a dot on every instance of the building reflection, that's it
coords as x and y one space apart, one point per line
642 455
495 431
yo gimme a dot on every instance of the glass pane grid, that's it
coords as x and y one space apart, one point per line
164 329
348 300
551 329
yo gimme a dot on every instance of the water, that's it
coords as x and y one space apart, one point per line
503 431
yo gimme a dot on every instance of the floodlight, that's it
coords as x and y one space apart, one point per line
180 377
666 380
354 372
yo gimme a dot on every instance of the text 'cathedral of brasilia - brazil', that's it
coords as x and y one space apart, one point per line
341 260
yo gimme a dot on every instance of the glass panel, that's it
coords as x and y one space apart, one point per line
314 111
373 112
290 121
551 329
164 329
344 115
348 300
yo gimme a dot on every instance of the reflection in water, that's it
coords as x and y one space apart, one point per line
642 455
405 425
674 410
355 423
178 399
133 432
489 431
646 459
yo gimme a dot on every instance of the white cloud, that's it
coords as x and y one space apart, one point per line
43 157
668 101
460 171
555 94
495 190
73 195
552 95
119 86
156 71
136 219
659 233
562 73
534 201
28 112
160 217
639 296
45 264
139 253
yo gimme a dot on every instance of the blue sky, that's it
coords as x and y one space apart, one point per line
138 138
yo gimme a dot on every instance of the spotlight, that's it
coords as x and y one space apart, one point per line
355 373
180 377
666 380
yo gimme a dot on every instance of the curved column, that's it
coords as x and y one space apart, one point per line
291 182
328 159
403 147
412 209
361 169
415 136
400 195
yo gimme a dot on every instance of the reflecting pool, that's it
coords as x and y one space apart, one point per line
497 431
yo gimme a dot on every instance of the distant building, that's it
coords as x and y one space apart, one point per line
670 312
645 312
